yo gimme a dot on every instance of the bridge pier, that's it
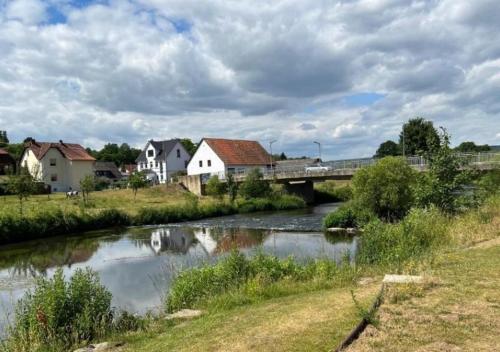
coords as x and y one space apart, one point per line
303 189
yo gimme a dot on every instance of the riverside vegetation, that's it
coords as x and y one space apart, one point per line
408 221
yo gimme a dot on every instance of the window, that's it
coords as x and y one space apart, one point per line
230 170
209 163
178 153
151 152
53 178
53 162
186 163
151 164
201 163
156 164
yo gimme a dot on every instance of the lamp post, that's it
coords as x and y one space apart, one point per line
271 156
319 149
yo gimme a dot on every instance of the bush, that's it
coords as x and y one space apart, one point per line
326 192
420 231
255 186
386 188
348 215
215 187
58 315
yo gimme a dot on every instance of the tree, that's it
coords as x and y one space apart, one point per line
419 137
215 187
23 185
137 180
388 148
386 188
444 183
471 147
4 140
87 185
254 185
232 187
189 145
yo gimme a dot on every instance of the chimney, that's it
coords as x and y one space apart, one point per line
61 142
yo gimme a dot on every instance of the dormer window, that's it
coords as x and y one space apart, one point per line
151 153
53 162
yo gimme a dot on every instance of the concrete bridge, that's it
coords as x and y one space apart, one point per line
300 178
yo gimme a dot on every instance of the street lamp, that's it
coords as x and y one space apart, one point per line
271 157
319 149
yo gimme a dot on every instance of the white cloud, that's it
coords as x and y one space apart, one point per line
28 11
249 69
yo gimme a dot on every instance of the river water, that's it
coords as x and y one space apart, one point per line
138 264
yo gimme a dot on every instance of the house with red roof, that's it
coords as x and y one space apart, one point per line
216 156
60 165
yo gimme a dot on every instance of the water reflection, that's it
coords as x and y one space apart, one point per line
138 264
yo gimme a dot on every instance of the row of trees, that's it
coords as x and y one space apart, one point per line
419 137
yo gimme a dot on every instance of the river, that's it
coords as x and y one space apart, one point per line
138 264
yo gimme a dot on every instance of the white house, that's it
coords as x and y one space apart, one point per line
60 165
216 156
162 159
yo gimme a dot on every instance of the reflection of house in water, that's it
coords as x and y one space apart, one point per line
172 239
218 240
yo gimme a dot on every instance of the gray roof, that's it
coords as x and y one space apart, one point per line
162 148
108 166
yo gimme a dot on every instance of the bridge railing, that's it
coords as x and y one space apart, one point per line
337 166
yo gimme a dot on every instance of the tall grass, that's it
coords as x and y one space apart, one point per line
58 314
243 277
55 221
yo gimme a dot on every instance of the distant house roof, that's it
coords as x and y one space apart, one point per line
239 152
70 151
3 152
107 169
163 149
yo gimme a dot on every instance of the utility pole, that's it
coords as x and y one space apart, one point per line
404 146
271 157
319 150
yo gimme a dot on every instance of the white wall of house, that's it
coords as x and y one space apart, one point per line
172 163
55 170
206 161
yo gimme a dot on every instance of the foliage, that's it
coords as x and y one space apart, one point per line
444 183
419 137
4 140
87 185
348 215
420 231
471 147
189 145
57 314
137 180
23 185
232 188
327 192
489 183
388 148
215 187
250 275
120 155
254 185
15 150
385 188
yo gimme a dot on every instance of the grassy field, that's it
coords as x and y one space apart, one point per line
122 199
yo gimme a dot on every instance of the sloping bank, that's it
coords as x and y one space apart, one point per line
15 228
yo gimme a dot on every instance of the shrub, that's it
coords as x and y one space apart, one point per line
342 217
58 315
327 192
386 188
215 187
254 185
420 231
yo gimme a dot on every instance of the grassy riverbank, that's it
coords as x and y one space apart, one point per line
55 215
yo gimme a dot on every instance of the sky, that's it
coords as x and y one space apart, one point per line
345 73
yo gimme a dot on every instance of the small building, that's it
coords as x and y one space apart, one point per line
216 156
59 165
128 169
107 171
7 162
163 159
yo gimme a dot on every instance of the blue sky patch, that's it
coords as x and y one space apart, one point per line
363 99
181 25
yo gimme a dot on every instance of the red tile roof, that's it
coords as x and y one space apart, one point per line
70 151
3 152
239 152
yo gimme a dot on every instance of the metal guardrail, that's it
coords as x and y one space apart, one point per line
343 166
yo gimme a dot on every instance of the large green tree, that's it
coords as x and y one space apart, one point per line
385 188
388 148
418 137
120 155
189 145
471 147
